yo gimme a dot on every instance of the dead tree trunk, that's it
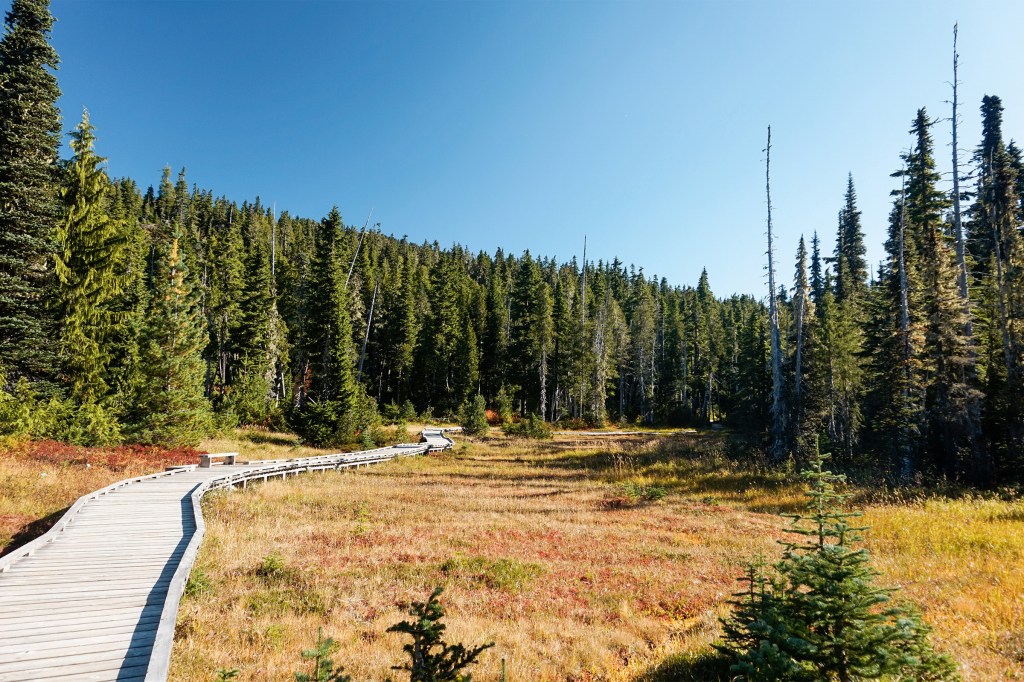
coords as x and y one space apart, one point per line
906 463
778 446
366 337
958 229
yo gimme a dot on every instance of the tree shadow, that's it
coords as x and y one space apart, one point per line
705 666
30 531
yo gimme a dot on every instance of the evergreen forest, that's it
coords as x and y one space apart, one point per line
159 313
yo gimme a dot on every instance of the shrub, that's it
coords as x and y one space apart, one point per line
531 427
817 615
431 658
23 415
500 574
636 492
273 568
474 416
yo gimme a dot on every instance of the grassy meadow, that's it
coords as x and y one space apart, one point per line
582 558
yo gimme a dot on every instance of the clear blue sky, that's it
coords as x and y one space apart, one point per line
529 124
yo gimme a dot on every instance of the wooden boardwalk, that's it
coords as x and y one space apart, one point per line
96 598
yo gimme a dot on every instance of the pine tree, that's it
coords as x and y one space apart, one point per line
90 269
896 344
643 342
29 206
706 349
262 336
169 406
998 250
834 400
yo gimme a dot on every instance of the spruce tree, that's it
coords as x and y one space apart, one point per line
90 269
170 407
29 202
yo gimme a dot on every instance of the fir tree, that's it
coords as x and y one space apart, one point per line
90 269
817 281
29 206
952 405
818 615
169 407
328 412
851 265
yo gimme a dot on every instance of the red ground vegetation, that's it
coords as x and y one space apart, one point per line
119 458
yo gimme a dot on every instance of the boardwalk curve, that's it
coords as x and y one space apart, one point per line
96 597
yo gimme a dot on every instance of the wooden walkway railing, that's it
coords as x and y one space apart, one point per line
96 597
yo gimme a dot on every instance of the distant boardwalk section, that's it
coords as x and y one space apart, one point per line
96 598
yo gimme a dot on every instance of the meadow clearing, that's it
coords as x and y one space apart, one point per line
550 550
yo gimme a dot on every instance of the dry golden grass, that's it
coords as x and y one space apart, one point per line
963 562
521 535
538 552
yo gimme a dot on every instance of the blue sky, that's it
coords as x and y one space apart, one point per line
526 125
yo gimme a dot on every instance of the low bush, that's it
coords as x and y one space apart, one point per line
531 427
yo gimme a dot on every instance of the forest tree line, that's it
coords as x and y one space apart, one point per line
160 314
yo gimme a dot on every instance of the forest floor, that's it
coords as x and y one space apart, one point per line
549 550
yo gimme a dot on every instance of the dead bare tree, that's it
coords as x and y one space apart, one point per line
778 445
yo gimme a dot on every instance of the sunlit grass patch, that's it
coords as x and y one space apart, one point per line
520 535
499 574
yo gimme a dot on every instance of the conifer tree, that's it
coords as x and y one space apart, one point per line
262 335
29 202
328 410
998 250
834 400
818 615
90 269
817 281
707 346
952 405
803 313
851 266
643 341
896 344
169 407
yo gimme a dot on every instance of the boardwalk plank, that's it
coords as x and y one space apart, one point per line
97 597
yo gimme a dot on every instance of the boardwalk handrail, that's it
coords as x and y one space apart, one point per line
160 659
54 532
